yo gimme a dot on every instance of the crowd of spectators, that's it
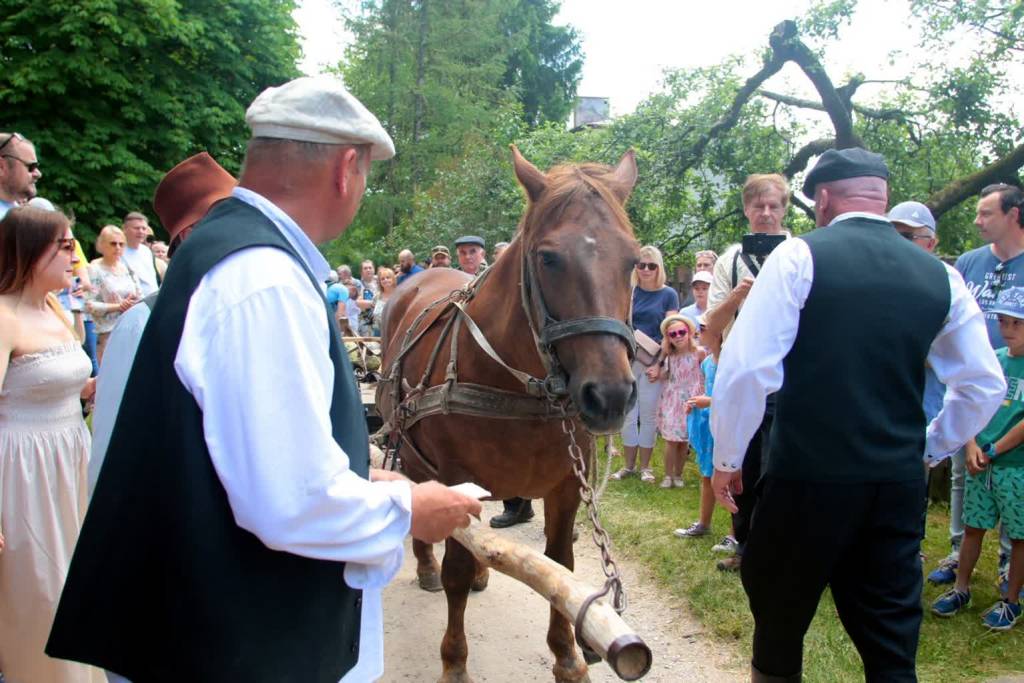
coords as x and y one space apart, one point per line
59 312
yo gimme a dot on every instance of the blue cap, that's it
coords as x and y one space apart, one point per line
914 214
1010 302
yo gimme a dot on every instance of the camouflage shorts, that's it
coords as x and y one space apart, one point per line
994 495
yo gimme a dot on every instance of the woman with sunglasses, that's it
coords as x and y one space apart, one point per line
44 443
115 287
652 301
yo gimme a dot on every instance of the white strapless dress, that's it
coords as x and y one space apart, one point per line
44 452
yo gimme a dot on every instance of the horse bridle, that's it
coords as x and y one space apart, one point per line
549 330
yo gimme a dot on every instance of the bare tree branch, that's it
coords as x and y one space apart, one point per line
1004 169
798 203
881 114
787 45
803 155
685 239
696 151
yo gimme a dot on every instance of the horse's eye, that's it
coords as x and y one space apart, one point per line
550 259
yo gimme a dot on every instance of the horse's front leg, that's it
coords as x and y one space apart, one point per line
428 571
559 515
457 572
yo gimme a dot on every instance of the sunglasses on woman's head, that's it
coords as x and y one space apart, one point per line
647 266
676 334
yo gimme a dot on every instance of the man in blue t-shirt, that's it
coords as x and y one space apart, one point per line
987 271
407 264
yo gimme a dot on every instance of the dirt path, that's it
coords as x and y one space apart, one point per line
507 623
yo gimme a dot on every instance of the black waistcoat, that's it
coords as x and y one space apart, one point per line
850 404
163 585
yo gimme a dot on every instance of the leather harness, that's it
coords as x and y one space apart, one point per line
543 399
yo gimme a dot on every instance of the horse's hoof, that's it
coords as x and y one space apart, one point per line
480 581
575 674
430 582
453 677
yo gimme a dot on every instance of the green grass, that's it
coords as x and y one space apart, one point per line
641 517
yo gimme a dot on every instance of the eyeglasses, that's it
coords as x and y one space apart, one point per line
116 244
30 166
647 266
676 334
12 136
911 236
65 243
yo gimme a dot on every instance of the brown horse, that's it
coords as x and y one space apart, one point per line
553 306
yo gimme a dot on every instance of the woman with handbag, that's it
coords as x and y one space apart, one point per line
652 301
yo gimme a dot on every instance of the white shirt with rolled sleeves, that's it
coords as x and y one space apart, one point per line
254 354
751 366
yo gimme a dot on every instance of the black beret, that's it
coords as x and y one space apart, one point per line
470 239
840 164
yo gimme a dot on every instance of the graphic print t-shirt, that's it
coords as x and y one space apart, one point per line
985 279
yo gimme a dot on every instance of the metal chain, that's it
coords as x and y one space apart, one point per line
600 536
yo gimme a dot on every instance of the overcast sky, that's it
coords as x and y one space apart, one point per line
628 45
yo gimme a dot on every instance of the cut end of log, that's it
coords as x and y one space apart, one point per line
629 657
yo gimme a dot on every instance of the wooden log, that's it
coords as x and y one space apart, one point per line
603 629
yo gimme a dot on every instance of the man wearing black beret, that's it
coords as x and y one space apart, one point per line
841 323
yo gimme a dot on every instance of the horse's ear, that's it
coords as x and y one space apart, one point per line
624 176
532 180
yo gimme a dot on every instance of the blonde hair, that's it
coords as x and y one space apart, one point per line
759 183
706 252
106 233
652 253
383 272
667 347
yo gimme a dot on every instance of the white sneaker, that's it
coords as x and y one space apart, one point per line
728 545
666 483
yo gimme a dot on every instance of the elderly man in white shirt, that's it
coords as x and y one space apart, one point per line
841 322
242 539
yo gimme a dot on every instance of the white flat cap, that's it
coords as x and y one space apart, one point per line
318 109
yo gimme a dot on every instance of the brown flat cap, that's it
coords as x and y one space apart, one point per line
188 191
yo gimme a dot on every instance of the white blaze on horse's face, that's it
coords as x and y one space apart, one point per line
581 250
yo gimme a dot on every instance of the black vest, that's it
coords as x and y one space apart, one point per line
163 585
850 404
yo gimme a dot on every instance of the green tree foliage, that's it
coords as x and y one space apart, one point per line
544 61
445 78
116 92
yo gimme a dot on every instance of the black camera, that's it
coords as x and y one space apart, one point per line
759 244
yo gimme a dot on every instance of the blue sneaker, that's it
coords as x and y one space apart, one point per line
950 602
1002 616
945 572
1003 584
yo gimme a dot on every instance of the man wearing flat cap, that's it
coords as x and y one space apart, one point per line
470 250
846 443
236 532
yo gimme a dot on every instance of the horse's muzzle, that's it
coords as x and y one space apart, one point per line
603 405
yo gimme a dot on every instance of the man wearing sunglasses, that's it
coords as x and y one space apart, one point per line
19 171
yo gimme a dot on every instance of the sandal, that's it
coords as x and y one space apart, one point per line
647 475
624 473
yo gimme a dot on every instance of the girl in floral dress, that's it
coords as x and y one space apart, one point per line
680 369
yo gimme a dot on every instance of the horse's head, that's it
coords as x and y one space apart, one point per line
578 252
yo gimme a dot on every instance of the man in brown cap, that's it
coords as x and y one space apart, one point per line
440 257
